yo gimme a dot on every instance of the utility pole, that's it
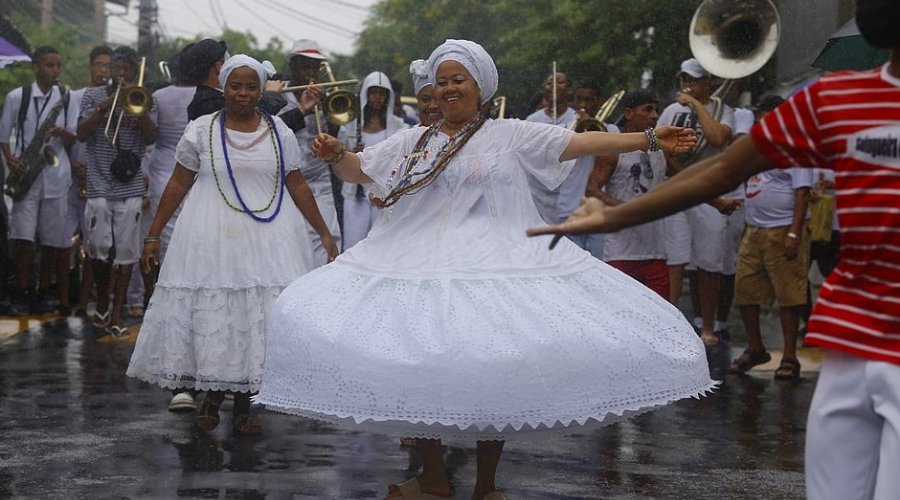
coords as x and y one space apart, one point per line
147 15
99 22
46 14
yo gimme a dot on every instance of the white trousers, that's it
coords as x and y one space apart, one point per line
853 431
325 201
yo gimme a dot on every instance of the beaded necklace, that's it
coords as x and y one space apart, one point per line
278 191
412 180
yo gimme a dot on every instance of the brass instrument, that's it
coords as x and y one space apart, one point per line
135 101
732 39
597 123
340 106
38 154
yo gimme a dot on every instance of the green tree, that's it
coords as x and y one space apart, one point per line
612 43
65 39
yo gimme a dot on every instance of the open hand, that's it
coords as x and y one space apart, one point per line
676 139
590 217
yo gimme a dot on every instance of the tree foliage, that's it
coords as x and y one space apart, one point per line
611 43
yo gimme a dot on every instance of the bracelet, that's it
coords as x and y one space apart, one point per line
793 236
338 157
652 139
151 239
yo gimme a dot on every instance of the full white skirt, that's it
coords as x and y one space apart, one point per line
483 358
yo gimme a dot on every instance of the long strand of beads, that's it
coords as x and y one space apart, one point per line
278 191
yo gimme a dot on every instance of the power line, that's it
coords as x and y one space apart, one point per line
187 3
313 18
264 20
349 5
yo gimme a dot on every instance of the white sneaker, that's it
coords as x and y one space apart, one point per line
183 401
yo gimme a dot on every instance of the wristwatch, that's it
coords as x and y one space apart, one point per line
793 236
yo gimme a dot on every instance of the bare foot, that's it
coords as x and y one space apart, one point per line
418 486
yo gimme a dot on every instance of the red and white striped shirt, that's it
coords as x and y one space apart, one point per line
850 122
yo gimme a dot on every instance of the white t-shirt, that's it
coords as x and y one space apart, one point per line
636 173
771 195
170 115
680 115
56 181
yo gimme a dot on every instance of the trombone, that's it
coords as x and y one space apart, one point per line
340 105
136 101
597 122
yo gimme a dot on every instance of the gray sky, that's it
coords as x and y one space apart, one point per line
332 23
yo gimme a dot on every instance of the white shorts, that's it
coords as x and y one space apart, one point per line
109 223
696 236
36 219
734 232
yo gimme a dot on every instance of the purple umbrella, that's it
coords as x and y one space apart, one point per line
13 46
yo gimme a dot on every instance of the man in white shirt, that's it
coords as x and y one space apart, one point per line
697 235
39 214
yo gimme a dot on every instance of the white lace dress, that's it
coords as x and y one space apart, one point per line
206 324
448 322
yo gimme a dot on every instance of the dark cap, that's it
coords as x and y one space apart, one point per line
637 98
202 56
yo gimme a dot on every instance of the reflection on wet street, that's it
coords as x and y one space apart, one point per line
74 426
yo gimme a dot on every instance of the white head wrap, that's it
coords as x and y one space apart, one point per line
241 60
419 71
474 58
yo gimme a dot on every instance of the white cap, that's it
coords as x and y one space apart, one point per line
306 48
693 68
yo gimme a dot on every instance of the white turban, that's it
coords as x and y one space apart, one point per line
474 58
239 61
419 71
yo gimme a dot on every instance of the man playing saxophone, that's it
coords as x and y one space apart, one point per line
36 127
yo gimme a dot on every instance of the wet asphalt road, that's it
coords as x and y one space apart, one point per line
73 426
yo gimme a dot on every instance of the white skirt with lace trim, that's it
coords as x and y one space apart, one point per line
483 358
204 339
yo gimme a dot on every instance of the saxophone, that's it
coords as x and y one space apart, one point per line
37 155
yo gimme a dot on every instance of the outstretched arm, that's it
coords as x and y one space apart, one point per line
673 139
347 168
701 182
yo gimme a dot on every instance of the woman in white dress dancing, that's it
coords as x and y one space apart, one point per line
233 250
448 322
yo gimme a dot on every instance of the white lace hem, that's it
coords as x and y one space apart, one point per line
490 427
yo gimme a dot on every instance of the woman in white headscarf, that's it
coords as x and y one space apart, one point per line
451 322
378 121
429 111
236 244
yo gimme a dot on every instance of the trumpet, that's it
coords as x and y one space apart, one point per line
134 100
340 105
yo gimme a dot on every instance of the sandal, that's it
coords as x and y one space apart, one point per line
410 490
247 425
118 332
789 369
100 320
748 359
208 418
